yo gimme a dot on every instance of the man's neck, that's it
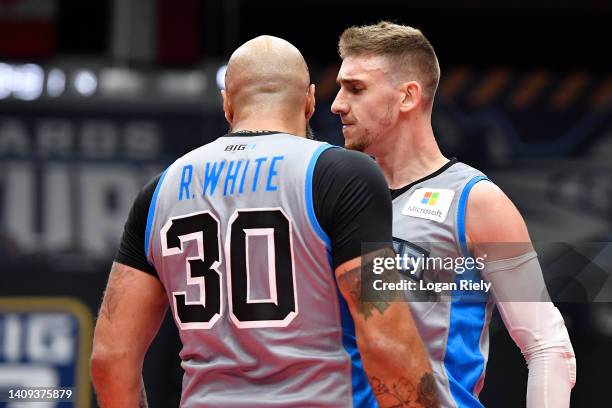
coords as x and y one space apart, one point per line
410 156
255 124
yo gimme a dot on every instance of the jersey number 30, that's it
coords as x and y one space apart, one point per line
203 274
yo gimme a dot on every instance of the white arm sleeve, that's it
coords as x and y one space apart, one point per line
537 328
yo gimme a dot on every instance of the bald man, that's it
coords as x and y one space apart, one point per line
254 241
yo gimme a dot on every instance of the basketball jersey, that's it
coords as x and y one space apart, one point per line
429 222
233 236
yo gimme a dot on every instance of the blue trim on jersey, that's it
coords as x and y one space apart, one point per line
461 207
363 396
463 361
312 216
151 213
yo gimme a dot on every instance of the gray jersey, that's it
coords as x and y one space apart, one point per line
429 222
233 235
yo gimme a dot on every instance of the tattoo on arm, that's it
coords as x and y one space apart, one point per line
350 281
358 282
427 394
402 393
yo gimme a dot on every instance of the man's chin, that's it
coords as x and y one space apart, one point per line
357 146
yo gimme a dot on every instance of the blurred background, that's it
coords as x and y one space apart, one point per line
96 97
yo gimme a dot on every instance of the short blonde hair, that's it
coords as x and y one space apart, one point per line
406 47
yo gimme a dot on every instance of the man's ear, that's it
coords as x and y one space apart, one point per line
411 96
227 107
310 102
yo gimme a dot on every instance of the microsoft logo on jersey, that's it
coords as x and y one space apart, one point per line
429 203
430 198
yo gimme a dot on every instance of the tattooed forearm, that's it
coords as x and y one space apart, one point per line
427 393
402 393
397 394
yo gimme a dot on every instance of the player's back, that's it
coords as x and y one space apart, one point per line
233 235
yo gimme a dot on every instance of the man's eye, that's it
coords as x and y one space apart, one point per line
356 90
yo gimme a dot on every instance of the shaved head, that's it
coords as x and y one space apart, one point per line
267 73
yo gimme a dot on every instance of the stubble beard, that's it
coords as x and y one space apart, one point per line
363 142
360 143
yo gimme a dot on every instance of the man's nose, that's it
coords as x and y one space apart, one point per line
339 106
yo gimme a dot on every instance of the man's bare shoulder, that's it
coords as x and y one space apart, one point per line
492 217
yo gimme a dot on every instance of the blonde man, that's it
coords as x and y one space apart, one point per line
446 209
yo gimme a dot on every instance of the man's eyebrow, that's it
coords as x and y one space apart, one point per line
348 81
